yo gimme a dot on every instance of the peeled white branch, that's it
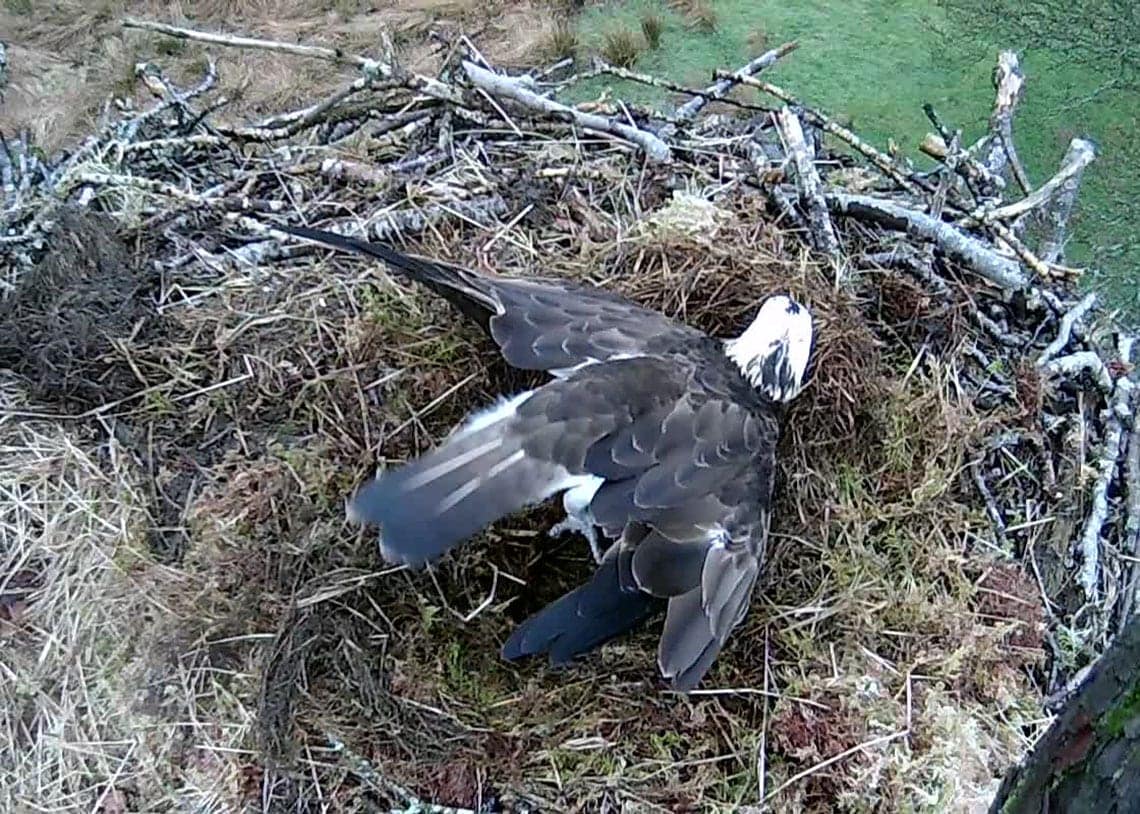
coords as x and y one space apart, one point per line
1080 154
1065 333
1001 271
425 84
1120 408
1009 82
808 184
722 86
1079 362
509 88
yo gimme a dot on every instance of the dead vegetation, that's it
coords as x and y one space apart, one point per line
620 47
186 620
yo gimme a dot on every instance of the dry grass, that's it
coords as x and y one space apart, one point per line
621 47
68 56
652 27
700 14
188 622
561 42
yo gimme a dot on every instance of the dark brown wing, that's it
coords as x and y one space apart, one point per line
539 323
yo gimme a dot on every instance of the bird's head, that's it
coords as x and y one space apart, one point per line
773 352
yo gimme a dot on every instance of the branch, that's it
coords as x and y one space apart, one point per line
817 119
999 270
370 67
720 89
1009 81
1089 546
1080 362
809 185
1131 544
1079 155
1083 753
969 168
508 88
1065 332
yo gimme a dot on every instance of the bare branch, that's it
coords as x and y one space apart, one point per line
722 86
1009 81
1079 155
1077 312
809 185
1001 271
508 88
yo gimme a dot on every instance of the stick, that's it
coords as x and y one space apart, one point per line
508 88
1080 362
991 506
1131 544
1089 545
814 117
432 87
717 91
999 270
1065 332
1078 156
665 84
1009 82
969 168
809 185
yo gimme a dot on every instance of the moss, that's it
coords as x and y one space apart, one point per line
1114 722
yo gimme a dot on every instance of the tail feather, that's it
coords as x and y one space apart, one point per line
431 504
458 286
583 619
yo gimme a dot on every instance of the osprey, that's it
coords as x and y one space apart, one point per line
657 434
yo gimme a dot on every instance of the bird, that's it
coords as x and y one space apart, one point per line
656 434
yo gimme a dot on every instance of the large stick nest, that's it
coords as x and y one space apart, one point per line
188 620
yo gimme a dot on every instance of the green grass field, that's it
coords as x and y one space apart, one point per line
878 61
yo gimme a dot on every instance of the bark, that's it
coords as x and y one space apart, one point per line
508 88
1089 760
720 89
1056 217
999 270
1009 82
808 185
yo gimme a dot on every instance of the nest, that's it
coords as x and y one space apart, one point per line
181 593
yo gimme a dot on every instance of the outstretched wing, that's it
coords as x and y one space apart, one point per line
547 324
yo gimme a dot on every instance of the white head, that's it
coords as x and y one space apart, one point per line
773 351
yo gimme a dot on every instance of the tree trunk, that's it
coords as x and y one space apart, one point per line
1089 760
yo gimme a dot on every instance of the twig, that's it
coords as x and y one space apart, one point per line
1119 410
718 90
881 160
1080 153
425 84
991 505
809 186
1131 543
363 769
967 167
665 84
1065 332
999 270
385 225
509 88
859 747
